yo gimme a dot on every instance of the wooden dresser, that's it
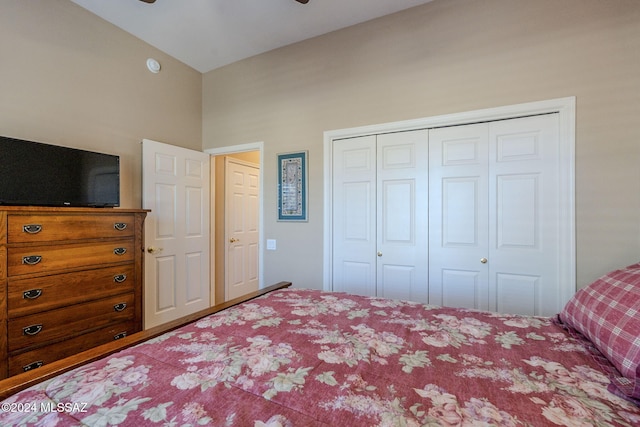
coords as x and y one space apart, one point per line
72 279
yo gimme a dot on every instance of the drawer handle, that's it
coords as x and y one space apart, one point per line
32 228
32 330
31 259
120 335
119 278
120 226
33 365
32 293
120 251
120 307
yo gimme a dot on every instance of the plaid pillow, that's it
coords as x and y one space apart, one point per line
607 312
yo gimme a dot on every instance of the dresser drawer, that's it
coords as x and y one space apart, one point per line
47 259
63 323
49 228
28 296
31 359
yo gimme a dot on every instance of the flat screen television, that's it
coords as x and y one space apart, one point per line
37 174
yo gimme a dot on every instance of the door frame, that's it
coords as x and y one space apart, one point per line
566 109
231 149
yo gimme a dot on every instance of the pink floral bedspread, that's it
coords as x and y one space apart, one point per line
307 358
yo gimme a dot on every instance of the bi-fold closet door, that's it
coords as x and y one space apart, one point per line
463 216
494 216
380 215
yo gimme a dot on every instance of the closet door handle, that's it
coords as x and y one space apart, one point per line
483 260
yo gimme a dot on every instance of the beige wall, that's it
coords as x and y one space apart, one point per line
444 57
69 78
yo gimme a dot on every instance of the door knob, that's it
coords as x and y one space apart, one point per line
154 250
379 253
233 240
483 260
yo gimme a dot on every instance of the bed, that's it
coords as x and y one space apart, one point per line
299 357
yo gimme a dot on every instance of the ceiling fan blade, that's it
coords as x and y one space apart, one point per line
299 1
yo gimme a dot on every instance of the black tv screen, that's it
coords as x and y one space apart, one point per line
37 174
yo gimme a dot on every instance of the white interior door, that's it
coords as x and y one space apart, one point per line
524 207
495 215
380 205
176 187
458 216
242 191
354 215
402 213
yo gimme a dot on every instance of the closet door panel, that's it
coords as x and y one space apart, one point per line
460 212
517 215
524 199
394 280
402 206
354 215
398 212
356 278
461 288
517 293
458 216
494 215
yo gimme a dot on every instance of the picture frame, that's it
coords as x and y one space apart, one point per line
292 186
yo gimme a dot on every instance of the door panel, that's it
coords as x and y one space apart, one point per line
357 215
461 288
402 215
357 278
494 218
458 216
398 213
394 280
194 212
460 212
242 233
176 189
165 280
193 262
518 293
380 215
517 211
524 239
354 215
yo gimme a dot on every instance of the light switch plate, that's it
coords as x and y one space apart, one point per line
271 244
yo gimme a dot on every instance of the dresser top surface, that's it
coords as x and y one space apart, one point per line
65 209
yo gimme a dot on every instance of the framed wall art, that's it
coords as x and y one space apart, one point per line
292 186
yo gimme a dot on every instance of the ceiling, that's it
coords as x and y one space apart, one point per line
208 34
